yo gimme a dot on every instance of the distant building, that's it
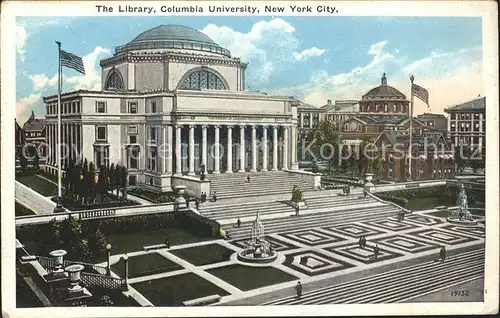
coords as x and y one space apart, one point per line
34 130
19 136
467 123
436 122
432 157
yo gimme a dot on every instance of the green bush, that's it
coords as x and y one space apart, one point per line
296 194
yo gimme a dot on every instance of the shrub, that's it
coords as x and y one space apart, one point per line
296 194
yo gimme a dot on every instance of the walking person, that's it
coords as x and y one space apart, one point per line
167 243
197 203
297 210
376 251
363 242
214 196
248 178
360 242
238 223
402 215
298 290
442 253
365 193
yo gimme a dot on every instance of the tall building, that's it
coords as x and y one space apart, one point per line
467 123
168 98
436 122
34 133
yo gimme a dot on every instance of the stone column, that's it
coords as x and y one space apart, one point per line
301 120
178 153
217 150
254 149
310 120
229 149
480 132
285 147
204 145
164 150
191 150
80 137
242 148
264 148
169 156
293 159
275 148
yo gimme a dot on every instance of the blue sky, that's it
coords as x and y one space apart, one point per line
312 58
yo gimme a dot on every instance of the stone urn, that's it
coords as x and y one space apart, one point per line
180 201
58 256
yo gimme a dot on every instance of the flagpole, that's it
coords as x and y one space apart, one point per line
412 78
58 152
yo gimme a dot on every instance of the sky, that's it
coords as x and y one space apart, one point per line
311 58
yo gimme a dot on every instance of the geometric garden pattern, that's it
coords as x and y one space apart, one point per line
406 243
354 230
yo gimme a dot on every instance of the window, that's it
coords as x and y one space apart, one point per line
153 107
132 139
133 158
101 107
453 116
203 79
115 81
152 135
152 159
73 107
132 129
101 133
132 108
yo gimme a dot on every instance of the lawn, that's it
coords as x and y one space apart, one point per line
130 242
144 265
419 204
203 255
118 299
38 184
248 278
21 210
172 291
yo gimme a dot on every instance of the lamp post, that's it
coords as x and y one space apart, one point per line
108 249
125 262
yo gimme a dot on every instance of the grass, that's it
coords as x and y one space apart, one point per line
248 278
116 296
203 255
418 204
144 265
130 242
21 210
172 291
38 184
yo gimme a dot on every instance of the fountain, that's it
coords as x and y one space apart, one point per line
462 215
258 250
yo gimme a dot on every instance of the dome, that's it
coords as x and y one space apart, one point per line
173 37
384 91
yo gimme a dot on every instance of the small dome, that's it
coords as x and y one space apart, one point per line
173 37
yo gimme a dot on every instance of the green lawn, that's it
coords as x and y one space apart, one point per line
419 204
203 255
21 210
38 184
248 278
130 242
144 265
172 291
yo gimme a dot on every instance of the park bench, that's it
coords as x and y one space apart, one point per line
154 247
203 300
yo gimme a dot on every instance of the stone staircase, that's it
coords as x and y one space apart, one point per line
261 183
315 220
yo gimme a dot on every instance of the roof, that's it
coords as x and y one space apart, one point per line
430 115
476 104
172 36
383 91
402 137
35 124
303 106
390 120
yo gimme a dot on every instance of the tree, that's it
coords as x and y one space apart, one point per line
90 184
462 155
123 182
97 242
325 139
23 162
111 179
102 184
36 159
116 179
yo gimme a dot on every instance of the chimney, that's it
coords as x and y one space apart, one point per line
329 102
384 80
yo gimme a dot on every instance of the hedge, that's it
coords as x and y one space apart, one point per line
153 197
402 202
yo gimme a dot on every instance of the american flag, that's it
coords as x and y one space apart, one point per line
421 93
72 61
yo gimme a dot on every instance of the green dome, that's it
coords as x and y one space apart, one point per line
173 37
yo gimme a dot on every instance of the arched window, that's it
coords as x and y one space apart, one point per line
202 79
115 81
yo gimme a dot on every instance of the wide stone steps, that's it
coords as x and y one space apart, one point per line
396 285
316 220
274 207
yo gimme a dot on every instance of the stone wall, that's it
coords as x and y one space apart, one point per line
33 199
194 186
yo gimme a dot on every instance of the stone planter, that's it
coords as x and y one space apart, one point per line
369 179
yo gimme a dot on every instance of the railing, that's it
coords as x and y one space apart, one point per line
96 214
88 268
47 263
103 281
388 202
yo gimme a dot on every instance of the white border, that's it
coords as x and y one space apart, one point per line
485 9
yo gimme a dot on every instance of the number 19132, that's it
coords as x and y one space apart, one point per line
457 293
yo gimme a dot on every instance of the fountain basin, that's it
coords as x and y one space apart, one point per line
462 222
249 256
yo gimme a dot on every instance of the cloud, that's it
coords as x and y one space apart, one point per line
307 53
24 107
21 37
450 77
268 47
